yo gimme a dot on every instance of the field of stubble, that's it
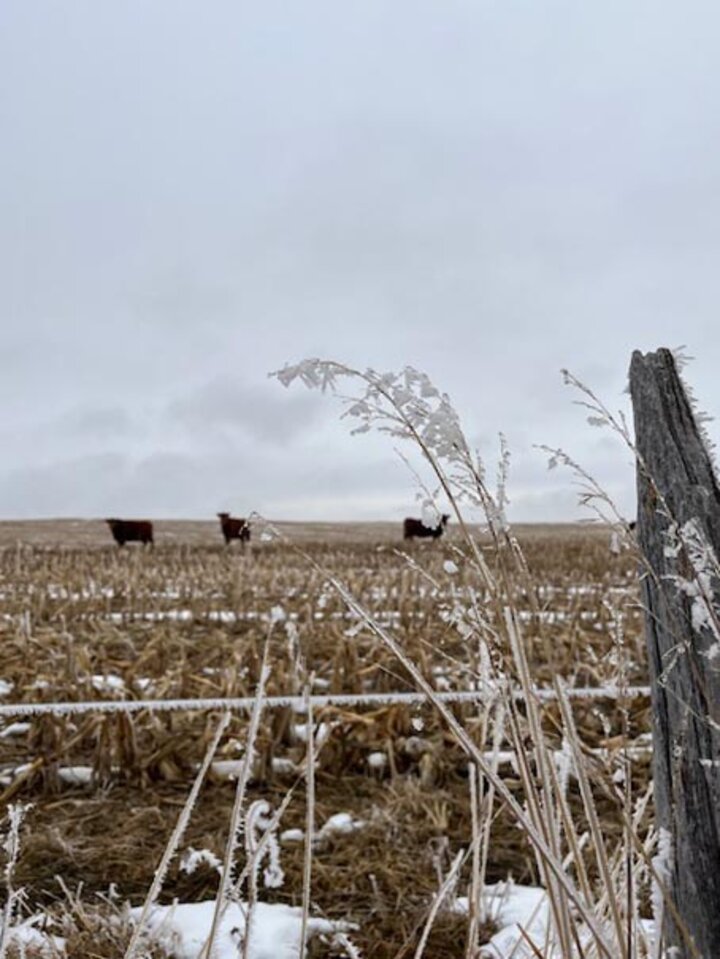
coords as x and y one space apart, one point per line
82 620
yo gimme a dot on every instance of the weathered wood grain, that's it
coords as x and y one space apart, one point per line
676 484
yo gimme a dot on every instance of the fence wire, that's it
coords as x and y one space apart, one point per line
299 703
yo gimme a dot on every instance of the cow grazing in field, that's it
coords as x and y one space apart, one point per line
234 528
131 531
416 527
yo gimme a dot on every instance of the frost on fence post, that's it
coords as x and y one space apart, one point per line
679 535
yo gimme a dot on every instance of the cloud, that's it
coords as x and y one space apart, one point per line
544 196
102 423
266 414
80 486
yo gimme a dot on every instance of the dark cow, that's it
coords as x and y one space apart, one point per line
416 527
131 531
233 528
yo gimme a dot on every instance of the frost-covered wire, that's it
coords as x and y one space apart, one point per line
246 703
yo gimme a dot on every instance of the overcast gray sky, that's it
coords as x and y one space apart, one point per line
192 194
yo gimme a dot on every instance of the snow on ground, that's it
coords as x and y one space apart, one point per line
524 918
339 824
522 914
25 934
76 775
275 930
115 685
512 908
15 729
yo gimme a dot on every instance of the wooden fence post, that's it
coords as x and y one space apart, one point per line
678 515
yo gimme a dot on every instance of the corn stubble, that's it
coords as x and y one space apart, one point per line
185 622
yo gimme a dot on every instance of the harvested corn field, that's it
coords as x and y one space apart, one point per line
394 796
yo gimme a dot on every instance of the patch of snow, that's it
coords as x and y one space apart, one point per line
226 768
10 773
283 766
25 934
108 684
377 760
340 824
75 775
501 757
322 731
275 929
514 907
292 835
15 729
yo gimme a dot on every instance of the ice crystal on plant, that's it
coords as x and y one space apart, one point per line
11 844
193 858
258 822
407 405
404 404
564 764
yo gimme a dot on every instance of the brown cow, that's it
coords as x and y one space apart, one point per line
233 528
416 527
131 531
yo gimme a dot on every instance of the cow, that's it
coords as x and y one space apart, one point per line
416 527
233 528
131 531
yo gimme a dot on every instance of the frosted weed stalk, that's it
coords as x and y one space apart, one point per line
174 841
696 566
406 405
11 845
